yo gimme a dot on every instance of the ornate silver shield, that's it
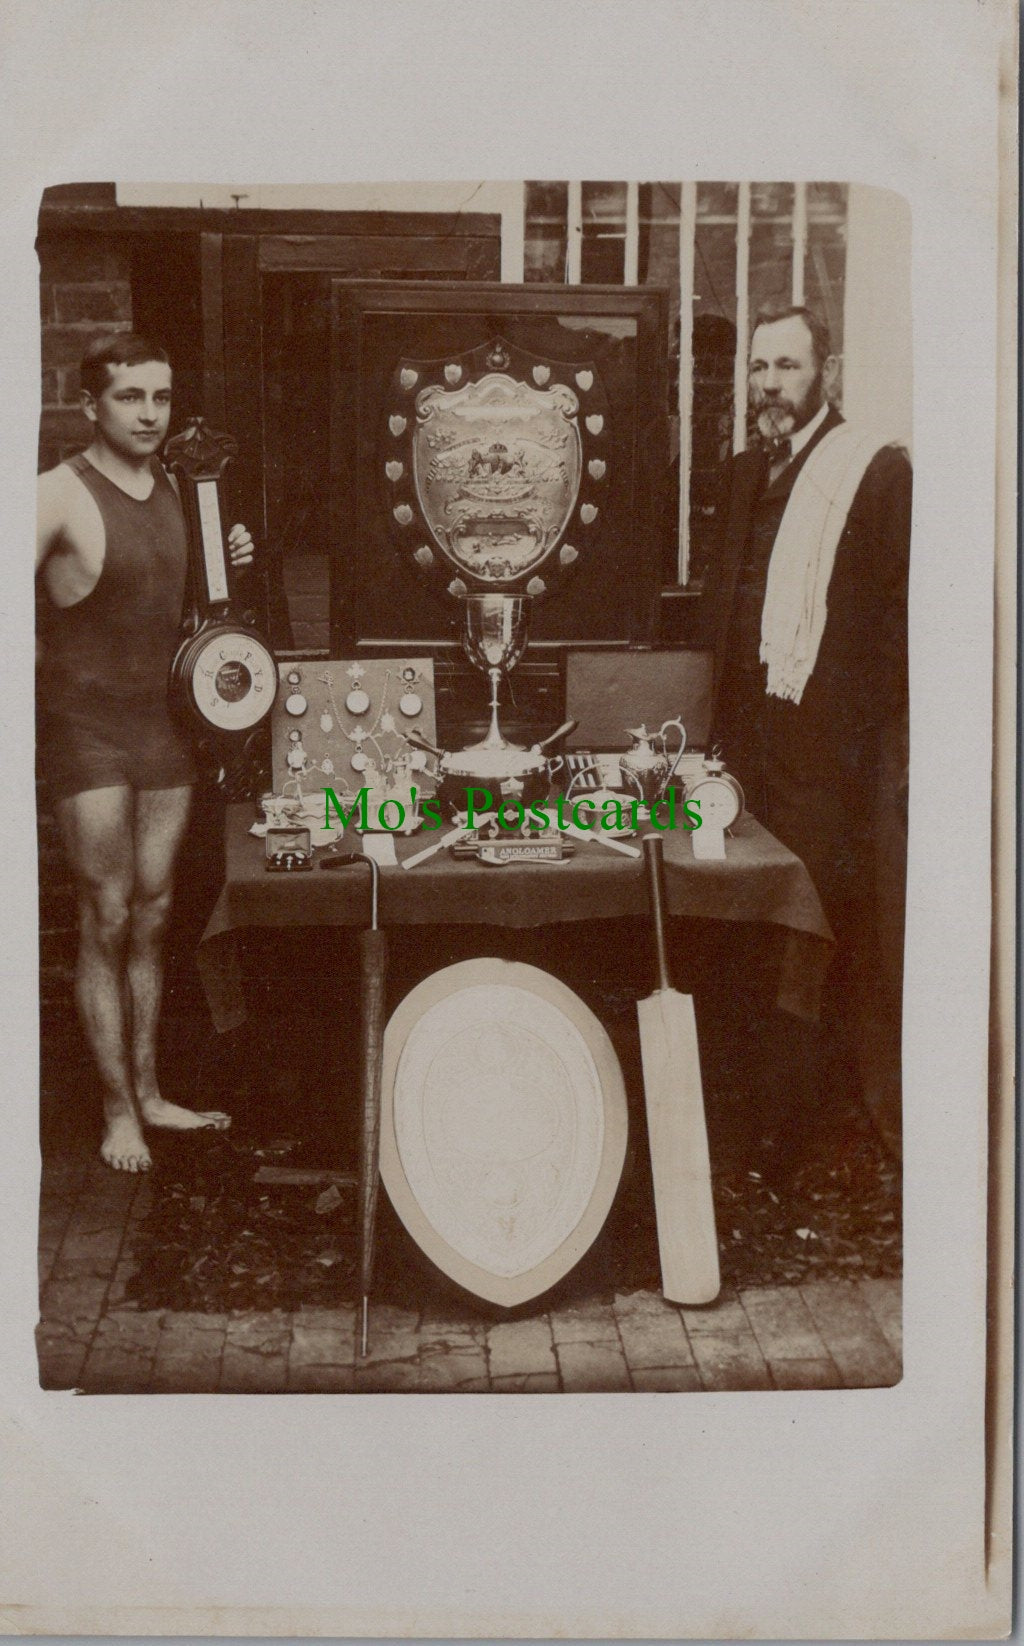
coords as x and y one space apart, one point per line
497 468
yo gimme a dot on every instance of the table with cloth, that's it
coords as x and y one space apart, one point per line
759 881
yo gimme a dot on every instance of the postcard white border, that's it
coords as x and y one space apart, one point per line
832 1514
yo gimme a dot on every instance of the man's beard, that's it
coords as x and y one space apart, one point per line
781 417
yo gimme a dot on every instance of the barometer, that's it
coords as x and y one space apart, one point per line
223 673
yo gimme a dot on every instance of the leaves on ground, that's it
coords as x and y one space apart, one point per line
215 1239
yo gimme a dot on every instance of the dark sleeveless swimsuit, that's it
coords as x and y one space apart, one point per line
104 715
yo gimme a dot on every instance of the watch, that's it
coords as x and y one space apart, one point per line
719 794
223 673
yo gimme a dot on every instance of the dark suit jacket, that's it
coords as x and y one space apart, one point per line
859 679
818 761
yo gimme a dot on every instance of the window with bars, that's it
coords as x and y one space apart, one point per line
723 250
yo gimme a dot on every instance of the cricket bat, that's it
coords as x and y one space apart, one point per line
676 1127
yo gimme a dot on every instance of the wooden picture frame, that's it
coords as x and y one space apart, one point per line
378 603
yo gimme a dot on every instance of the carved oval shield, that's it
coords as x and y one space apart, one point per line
495 453
497 467
503 1126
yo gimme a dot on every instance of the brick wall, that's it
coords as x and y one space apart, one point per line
84 292
57 926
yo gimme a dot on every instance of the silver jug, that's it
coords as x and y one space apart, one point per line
647 766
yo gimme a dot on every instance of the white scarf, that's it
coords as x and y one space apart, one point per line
800 569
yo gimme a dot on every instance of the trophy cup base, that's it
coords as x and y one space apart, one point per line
494 745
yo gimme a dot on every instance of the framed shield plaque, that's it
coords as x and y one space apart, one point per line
503 1126
512 438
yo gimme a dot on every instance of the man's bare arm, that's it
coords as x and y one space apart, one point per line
51 510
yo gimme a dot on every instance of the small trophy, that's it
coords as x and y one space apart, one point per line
494 635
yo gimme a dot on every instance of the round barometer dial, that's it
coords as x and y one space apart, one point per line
231 678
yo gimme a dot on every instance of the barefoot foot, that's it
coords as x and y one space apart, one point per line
123 1147
156 1111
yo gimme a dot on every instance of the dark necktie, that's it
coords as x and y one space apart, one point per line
779 454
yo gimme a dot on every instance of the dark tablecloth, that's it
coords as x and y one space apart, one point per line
759 880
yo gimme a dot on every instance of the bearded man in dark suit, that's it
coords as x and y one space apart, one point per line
808 603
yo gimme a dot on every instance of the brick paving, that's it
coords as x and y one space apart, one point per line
819 1335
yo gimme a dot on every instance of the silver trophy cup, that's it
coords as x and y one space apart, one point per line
494 635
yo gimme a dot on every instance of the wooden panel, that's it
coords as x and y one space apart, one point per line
66 215
243 402
608 691
652 465
364 254
329 748
167 306
681 618
212 275
425 298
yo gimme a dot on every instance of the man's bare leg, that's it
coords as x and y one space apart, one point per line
97 827
160 818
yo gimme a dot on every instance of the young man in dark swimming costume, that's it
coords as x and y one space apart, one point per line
112 556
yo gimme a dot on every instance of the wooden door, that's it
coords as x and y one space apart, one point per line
266 372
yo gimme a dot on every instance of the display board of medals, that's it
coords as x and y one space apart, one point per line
342 724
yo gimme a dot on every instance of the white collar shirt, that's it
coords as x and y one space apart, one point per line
798 441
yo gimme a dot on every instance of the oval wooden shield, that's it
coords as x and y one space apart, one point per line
503 1126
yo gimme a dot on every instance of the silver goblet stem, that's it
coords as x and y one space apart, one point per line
494 635
494 739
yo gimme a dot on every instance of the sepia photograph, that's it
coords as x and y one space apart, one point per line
472 783
510 756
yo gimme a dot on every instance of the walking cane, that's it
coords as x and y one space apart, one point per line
373 956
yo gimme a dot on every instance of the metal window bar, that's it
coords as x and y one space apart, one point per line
513 234
574 235
687 245
631 267
687 251
739 419
799 240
